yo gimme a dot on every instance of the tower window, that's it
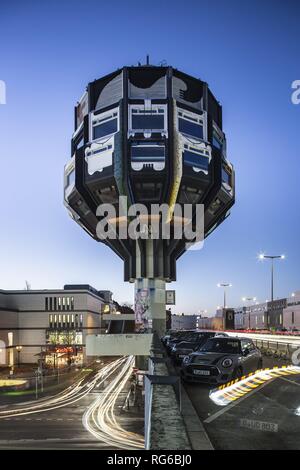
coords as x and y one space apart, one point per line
142 119
191 124
104 125
148 155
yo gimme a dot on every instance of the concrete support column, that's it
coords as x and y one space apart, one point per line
150 304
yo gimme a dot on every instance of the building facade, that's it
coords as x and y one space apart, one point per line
275 313
51 325
239 318
183 322
291 313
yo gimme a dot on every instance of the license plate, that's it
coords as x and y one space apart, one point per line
181 356
201 372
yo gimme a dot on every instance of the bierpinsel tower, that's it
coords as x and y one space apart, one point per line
148 136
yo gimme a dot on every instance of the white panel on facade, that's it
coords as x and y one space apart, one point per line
118 345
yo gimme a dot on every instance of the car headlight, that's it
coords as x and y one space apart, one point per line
186 360
227 362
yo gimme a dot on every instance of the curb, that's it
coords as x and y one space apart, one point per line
195 430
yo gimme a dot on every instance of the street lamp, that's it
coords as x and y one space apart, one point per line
262 256
224 285
249 299
19 349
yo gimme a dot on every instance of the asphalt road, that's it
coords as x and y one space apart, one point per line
61 427
268 418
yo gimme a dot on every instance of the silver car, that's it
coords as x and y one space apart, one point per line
220 360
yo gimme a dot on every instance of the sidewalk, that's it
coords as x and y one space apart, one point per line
53 384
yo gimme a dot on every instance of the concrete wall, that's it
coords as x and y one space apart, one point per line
167 429
118 345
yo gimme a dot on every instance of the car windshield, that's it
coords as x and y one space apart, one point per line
221 345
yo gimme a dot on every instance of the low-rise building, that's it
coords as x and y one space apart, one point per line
239 318
275 313
291 313
51 325
183 322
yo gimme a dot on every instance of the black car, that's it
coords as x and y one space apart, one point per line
222 359
177 337
192 343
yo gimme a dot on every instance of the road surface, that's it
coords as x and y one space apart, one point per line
57 422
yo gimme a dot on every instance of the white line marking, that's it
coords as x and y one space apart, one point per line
291 381
228 407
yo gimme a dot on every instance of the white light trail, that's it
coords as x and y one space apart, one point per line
100 419
68 396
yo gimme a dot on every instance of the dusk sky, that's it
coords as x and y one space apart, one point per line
248 52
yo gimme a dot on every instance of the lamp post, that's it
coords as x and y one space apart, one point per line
19 349
249 299
262 256
224 285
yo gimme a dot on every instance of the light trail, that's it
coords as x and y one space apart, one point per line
68 396
236 389
100 419
285 339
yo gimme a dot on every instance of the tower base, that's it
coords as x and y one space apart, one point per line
150 305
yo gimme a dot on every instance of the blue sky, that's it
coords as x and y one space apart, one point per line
247 51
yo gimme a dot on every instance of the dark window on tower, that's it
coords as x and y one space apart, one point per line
192 129
196 160
147 121
147 153
217 142
50 303
293 317
46 303
105 128
226 177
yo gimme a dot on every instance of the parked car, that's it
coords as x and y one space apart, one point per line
177 337
192 343
221 359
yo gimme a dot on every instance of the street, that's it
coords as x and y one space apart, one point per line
266 418
57 422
